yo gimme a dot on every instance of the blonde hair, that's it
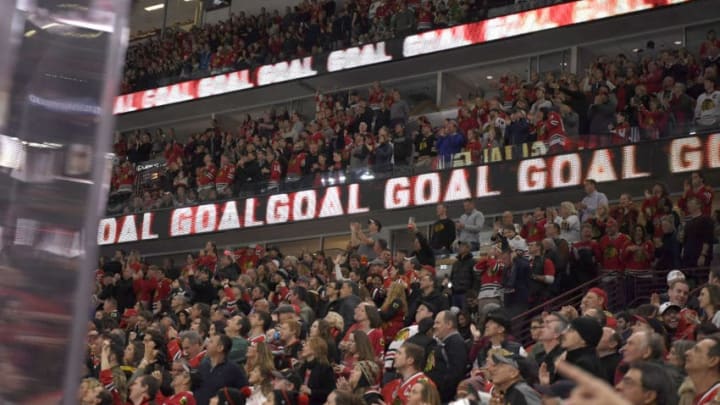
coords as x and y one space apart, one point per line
397 291
335 320
570 207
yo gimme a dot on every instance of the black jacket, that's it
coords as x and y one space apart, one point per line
225 374
462 274
586 358
448 359
320 379
609 364
347 309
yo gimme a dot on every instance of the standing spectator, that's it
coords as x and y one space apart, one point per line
218 372
680 107
542 273
592 200
347 301
470 224
518 130
569 222
462 275
667 247
365 241
612 246
402 146
442 232
696 188
707 108
359 156
449 356
516 282
383 153
399 109
403 21
533 228
625 213
602 112
449 142
698 237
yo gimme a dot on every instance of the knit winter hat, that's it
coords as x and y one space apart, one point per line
588 328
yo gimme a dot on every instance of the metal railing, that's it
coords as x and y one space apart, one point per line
625 291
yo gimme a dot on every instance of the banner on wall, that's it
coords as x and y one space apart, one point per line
508 178
497 28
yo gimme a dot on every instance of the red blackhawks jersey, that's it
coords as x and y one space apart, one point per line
490 270
275 171
612 250
555 131
621 134
533 231
704 194
397 392
225 175
708 397
206 176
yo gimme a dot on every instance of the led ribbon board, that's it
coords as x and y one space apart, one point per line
509 179
503 27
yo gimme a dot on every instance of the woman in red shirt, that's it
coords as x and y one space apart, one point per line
639 253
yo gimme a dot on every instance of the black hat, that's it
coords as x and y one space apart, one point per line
376 222
588 328
500 318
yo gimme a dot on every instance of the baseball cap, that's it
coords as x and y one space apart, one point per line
289 375
668 305
600 293
376 222
526 367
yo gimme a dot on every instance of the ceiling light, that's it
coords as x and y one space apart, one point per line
489 77
155 7
677 42
636 50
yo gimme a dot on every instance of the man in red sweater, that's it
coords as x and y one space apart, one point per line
611 246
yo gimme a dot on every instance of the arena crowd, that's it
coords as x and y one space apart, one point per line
381 325
355 134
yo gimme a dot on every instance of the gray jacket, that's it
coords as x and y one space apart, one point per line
473 224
